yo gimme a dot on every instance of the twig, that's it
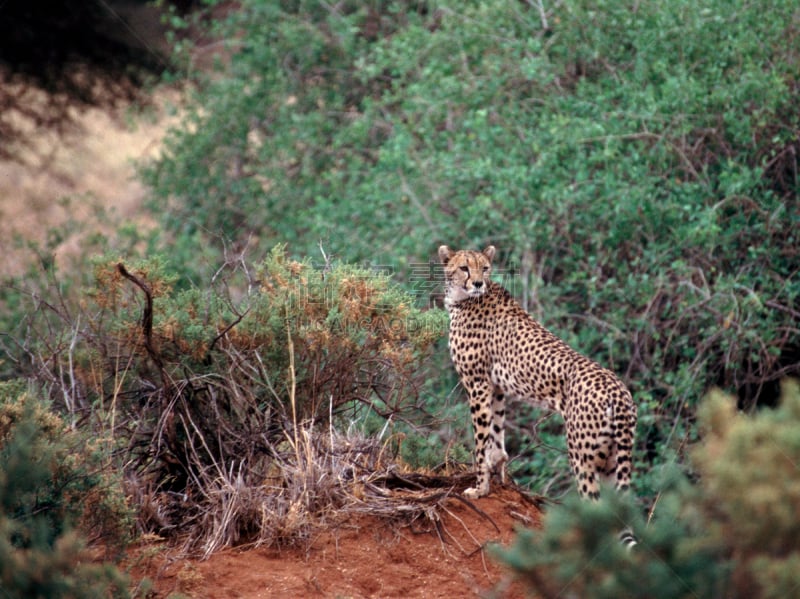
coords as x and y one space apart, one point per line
406 188
538 5
653 508
147 321
467 530
292 387
327 268
225 331
477 510
776 306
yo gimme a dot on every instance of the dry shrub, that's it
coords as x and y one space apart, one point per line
221 404
307 482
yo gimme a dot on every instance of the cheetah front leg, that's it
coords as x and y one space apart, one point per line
496 455
487 451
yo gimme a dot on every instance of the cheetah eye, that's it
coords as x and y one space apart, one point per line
485 269
465 268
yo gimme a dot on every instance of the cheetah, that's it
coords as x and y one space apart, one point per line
500 351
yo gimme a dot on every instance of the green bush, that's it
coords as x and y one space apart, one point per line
350 335
752 489
636 165
732 534
49 483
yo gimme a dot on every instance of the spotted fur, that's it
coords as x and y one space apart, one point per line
499 352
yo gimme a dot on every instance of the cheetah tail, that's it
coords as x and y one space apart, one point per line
628 539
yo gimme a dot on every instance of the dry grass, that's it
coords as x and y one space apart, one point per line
81 180
336 477
316 482
219 458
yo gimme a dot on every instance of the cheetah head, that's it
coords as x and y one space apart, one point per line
466 273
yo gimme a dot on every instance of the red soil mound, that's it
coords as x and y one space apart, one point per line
363 557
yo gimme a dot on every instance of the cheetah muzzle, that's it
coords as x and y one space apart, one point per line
500 352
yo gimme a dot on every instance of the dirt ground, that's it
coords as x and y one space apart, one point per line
363 557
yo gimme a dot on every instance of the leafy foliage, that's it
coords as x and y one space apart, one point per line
48 484
636 165
734 534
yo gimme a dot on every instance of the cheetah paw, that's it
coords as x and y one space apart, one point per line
474 493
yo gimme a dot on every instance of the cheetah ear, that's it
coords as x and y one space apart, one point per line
445 253
489 252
